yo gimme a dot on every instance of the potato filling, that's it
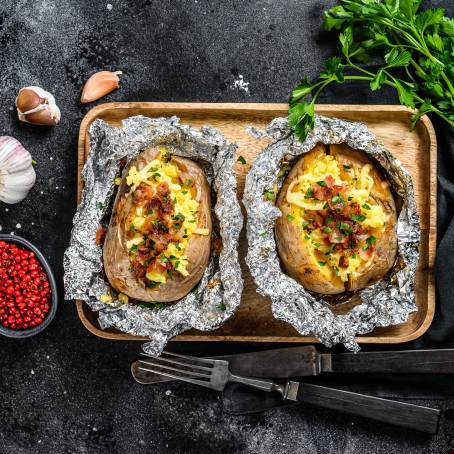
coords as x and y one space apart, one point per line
338 216
163 219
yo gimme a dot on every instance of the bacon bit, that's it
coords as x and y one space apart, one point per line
329 180
163 189
167 203
343 261
138 269
356 208
336 237
321 192
142 193
100 235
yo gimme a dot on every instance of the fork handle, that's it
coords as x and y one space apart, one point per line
401 414
258 383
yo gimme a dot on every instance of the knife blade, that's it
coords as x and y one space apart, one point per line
306 361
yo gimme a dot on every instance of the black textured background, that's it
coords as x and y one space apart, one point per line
66 391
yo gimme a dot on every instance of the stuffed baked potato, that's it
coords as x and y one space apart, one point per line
158 242
337 230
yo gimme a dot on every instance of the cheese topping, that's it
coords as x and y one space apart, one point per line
164 218
339 218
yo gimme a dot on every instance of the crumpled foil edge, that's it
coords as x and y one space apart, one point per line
388 302
216 297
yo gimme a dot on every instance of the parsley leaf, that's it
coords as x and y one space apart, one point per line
413 50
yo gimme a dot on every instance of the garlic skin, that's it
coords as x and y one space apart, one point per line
17 175
37 106
99 85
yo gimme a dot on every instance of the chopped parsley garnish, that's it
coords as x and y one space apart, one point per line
167 156
163 258
371 240
307 237
338 199
327 230
337 270
365 206
241 159
305 224
346 168
329 220
358 217
187 182
177 226
350 198
322 263
316 244
184 192
290 217
322 183
133 248
156 175
176 264
221 307
149 211
270 195
99 205
345 227
132 228
179 217
354 255
309 194
325 206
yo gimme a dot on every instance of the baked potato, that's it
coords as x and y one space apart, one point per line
337 229
157 245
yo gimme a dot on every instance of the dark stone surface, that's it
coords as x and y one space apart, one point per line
66 391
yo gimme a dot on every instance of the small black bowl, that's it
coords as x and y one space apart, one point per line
53 285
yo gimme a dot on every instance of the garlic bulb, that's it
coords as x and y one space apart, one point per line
17 175
37 106
99 85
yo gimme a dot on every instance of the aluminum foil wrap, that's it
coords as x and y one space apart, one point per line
218 294
389 301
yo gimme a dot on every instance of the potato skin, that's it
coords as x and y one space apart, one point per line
295 254
115 253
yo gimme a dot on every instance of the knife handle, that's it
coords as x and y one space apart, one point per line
407 361
401 414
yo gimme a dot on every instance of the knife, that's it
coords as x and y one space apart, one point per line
308 361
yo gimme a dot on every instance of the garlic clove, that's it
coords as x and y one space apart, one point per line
49 116
99 85
37 106
28 99
17 175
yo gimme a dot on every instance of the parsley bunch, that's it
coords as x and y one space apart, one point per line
416 50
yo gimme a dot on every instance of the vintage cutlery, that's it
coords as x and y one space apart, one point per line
306 361
215 374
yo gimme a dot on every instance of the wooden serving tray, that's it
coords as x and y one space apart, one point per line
253 321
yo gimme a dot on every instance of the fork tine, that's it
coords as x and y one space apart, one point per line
193 358
188 372
181 363
206 384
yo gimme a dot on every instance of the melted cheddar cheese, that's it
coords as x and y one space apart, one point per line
181 221
339 219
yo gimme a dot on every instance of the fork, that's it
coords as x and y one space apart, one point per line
215 374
